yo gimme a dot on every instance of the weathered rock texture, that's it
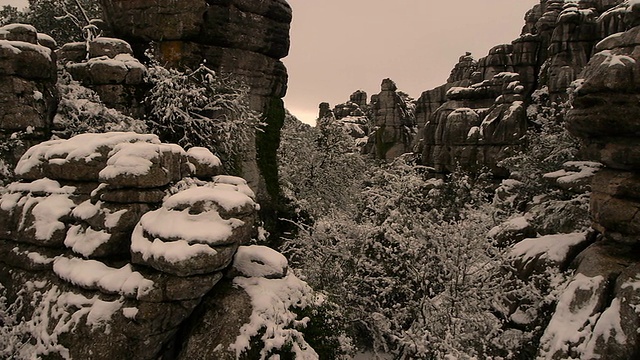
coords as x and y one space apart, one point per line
384 128
107 66
556 44
394 123
243 38
478 125
599 306
28 95
116 243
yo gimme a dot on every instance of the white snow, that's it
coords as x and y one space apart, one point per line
474 131
227 197
272 300
608 325
515 224
94 274
635 283
260 261
81 147
134 159
44 37
111 219
173 251
18 47
56 313
47 213
205 227
130 312
614 60
35 257
204 156
86 210
85 241
44 185
572 323
586 169
237 183
552 247
9 201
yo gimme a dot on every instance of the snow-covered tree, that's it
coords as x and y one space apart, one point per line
202 108
320 167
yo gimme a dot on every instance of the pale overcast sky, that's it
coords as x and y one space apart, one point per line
339 46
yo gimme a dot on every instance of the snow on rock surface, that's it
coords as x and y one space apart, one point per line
87 149
205 164
237 183
555 248
573 320
228 198
98 196
189 235
85 242
143 164
272 300
576 175
92 274
260 261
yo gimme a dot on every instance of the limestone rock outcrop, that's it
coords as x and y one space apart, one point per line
117 240
477 127
556 43
243 38
394 123
600 300
106 65
28 95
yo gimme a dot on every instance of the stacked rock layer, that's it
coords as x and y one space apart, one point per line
119 235
243 38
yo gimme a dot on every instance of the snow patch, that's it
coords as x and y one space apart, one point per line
204 156
94 274
572 322
272 300
174 251
260 261
84 147
552 247
85 241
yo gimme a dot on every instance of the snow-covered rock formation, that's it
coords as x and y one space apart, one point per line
243 38
107 66
111 241
28 94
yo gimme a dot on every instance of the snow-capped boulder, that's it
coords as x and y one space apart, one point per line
512 231
196 231
536 255
19 32
575 176
108 68
205 164
110 47
120 242
259 261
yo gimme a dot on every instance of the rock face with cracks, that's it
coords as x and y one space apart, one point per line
243 38
117 238
28 94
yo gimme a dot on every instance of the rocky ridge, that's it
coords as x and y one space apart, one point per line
121 236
